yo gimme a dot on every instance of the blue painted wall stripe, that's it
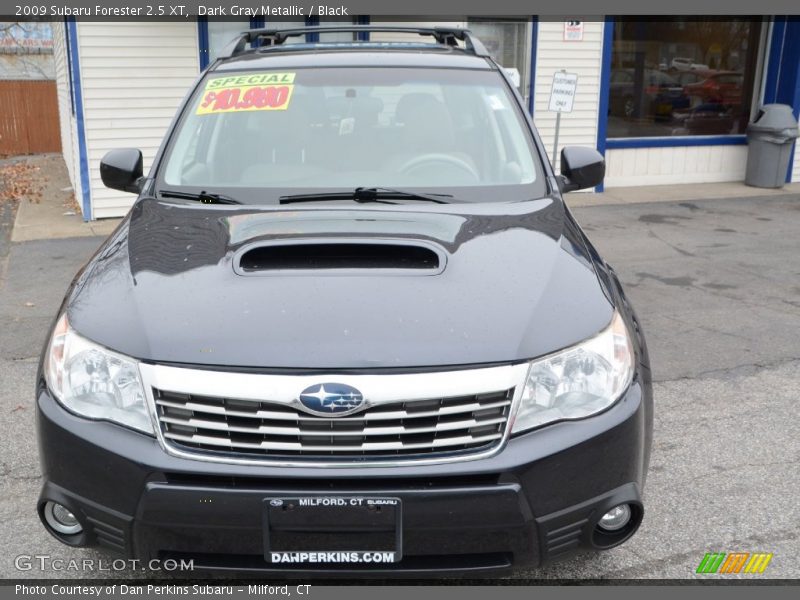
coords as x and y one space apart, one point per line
363 36
75 63
532 74
791 57
783 70
202 41
605 82
774 53
312 38
675 141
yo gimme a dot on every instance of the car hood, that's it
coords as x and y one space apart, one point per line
516 283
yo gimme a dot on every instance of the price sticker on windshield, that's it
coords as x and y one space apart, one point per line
261 91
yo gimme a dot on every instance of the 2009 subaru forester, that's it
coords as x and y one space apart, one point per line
348 326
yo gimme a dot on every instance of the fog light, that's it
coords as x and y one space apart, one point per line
61 519
616 518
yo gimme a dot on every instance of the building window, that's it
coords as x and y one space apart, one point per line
507 40
509 43
682 78
335 37
220 33
289 25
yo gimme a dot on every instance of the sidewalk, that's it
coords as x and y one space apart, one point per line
54 213
677 193
54 216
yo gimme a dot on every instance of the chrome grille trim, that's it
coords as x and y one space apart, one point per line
380 416
367 446
240 418
296 431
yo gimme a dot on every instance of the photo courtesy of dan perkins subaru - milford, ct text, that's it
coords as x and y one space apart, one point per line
100 591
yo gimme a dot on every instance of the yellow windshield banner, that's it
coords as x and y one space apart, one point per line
259 91
250 79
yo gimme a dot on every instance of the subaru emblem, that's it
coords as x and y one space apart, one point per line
331 399
276 502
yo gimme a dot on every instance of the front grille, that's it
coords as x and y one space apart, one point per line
262 428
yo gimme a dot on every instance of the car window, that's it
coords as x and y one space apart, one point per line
345 128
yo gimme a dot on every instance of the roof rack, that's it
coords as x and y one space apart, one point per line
447 36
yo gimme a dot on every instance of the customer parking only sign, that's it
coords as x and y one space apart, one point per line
562 95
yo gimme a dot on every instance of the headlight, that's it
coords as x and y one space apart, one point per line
94 382
579 381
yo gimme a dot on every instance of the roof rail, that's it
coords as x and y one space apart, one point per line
447 36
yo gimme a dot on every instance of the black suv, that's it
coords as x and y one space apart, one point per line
349 326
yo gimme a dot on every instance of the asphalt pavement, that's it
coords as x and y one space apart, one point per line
717 286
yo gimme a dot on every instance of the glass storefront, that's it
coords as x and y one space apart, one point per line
682 77
668 77
509 43
220 33
508 40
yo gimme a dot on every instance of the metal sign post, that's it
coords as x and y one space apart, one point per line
555 139
562 98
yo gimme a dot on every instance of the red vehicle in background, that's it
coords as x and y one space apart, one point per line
722 87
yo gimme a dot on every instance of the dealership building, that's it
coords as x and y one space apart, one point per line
666 101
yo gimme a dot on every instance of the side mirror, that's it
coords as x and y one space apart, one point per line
581 168
122 170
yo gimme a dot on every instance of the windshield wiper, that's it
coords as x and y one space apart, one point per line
367 194
204 197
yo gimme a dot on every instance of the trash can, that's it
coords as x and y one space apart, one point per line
770 138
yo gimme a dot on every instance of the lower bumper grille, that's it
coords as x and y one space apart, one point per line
247 427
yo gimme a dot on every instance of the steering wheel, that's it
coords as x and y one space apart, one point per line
434 158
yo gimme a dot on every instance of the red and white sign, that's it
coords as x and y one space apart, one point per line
573 31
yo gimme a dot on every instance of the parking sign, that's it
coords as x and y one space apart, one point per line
562 94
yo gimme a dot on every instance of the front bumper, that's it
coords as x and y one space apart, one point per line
537 500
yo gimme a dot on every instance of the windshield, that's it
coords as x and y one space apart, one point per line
260 135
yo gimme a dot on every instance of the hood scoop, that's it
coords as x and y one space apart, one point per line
328 256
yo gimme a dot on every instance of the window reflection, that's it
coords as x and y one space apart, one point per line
672 77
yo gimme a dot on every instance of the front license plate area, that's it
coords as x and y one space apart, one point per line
332 529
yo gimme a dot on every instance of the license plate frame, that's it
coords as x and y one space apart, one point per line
335 518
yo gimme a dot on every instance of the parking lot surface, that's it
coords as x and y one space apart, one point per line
717 286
